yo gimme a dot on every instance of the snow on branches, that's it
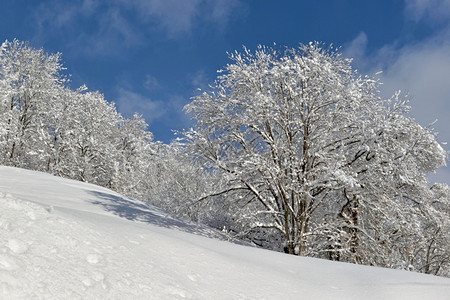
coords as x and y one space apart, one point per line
314 155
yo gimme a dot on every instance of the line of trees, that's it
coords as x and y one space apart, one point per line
291 150
77 134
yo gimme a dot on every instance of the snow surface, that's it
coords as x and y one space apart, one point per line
62 239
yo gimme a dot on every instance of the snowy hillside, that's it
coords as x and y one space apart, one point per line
62 239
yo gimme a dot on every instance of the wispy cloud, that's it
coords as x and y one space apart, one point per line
199 80
166 115
56 15
356 49
223 10
178 17
429 10
173 16
422 70
168 110
129 102
151 83
113 35
106 27
94 26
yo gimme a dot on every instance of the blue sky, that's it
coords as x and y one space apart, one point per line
149 56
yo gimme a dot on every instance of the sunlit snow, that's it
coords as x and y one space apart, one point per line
62 239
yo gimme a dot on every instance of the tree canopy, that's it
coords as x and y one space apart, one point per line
318 162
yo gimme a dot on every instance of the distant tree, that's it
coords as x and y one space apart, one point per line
175 183
86 138
135 153
431 254
313 156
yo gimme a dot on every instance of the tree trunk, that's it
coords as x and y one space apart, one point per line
349 213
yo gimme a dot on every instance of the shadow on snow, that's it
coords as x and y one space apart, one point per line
140 212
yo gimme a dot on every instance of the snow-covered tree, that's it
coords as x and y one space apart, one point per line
30 82
295 152
86 138
175 184
431 254
134 155
313 156
47 126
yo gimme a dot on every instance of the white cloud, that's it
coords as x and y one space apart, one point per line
199 80
129 102
422 70
125 23
178 17
173 16
110 32
88 7
151 83
61 14
112 35
178 119
165 112
223 10
356 49
430 10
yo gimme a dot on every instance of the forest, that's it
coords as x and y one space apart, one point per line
291 150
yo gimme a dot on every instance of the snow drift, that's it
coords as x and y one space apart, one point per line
62 239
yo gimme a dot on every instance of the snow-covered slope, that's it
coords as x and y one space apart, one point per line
62 239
